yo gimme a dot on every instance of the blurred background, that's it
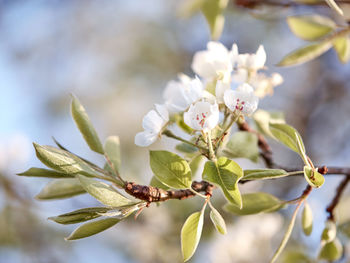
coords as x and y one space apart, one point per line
117 57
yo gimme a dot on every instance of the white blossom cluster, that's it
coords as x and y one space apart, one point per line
238 86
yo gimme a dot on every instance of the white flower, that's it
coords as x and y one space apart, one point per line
242 99
220 89
264 85
239 77
153 124
213 62
202 116
179 95
252 62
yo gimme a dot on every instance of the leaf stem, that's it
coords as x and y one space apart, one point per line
286 235
196 193
115 171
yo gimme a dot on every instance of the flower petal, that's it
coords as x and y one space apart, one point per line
152 121
145 138
260 58
162 111
230 99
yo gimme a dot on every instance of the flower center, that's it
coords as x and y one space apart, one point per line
200 118
239 105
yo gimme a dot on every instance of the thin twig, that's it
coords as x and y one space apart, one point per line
340 189
155 194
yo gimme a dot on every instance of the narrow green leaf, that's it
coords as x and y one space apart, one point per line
335 7
305 54
41 172
311 27
314 178
307 219
254 203
289 137
61 188
186 148
112 150
286 235
218 221
80 215
84 124
212 10
190 234
92 228
331 251
226 174
124 211
170 169
243 145
156 183
342 47
62 160
103 192
263 174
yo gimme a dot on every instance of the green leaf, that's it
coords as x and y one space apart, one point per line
84 124
264 118
212 10
335 7
263 174
226 174
254 203
305 54
61 188
286 235
289 137
243 145
156 183
345 229
124 211
112 150
62 160
307 219
170 169
218 221
311 27
186 148
314 178
80 215
92 228
342 46
40 172
103 192
190 234
331 251
293 256
329 233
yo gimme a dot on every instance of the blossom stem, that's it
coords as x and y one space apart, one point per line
210 145
223 133
171 135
